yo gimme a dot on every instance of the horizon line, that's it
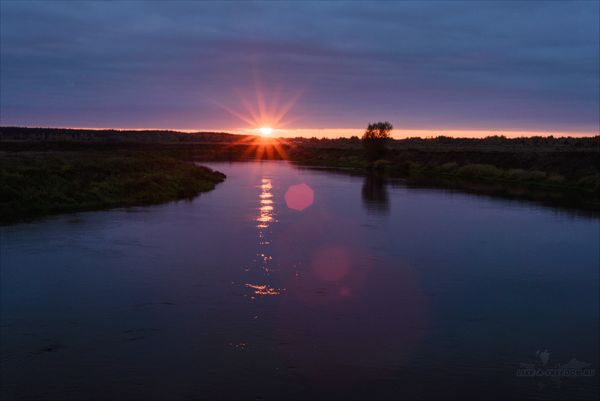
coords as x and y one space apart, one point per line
334 133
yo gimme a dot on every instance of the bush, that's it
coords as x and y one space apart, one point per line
414 167
479 170
382 165
590 183
536 175
515 174
555 179
448 167
524 175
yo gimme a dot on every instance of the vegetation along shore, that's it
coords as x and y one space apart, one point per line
55 170
35 184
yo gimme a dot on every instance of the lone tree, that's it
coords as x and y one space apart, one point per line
376 138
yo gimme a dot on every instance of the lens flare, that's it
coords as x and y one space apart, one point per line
265 117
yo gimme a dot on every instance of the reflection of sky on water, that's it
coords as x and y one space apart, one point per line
237 295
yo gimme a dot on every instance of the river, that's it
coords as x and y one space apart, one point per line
289 282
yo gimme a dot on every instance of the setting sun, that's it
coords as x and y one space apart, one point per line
265 131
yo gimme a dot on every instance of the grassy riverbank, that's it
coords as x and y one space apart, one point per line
40 183
550 170
565 169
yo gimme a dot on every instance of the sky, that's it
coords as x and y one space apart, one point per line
310 68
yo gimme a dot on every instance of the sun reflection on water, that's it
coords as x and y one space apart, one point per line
266 211
263 289
264 220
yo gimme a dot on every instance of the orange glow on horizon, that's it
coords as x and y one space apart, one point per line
397 133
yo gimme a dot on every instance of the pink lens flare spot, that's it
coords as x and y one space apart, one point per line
331 263
299 197
345 292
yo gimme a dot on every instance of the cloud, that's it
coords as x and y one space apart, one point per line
422 65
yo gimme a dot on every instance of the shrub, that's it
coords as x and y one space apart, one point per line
515 174
555 179
448 167
381 165
590 183
479 170
536 175
518 174
415 167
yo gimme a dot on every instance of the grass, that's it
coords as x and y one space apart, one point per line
566 179
34 184
545 170
587 185
565 167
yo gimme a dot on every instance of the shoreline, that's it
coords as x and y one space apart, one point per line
40 184
559 172
559 200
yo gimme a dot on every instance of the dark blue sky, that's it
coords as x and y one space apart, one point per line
522 66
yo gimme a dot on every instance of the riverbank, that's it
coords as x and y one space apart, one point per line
35 184
565 169
569 174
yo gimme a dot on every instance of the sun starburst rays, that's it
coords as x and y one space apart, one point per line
264 115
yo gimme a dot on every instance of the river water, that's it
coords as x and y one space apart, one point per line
299 283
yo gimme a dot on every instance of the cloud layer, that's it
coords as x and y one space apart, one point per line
422 65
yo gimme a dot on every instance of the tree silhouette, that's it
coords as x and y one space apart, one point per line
376 138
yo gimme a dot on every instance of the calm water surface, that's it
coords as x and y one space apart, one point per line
297 283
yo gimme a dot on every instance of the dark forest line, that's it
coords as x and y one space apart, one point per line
438 143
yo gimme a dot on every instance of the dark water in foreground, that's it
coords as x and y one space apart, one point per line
344 288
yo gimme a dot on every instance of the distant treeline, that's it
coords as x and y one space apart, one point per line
591 143
92 135
443 143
